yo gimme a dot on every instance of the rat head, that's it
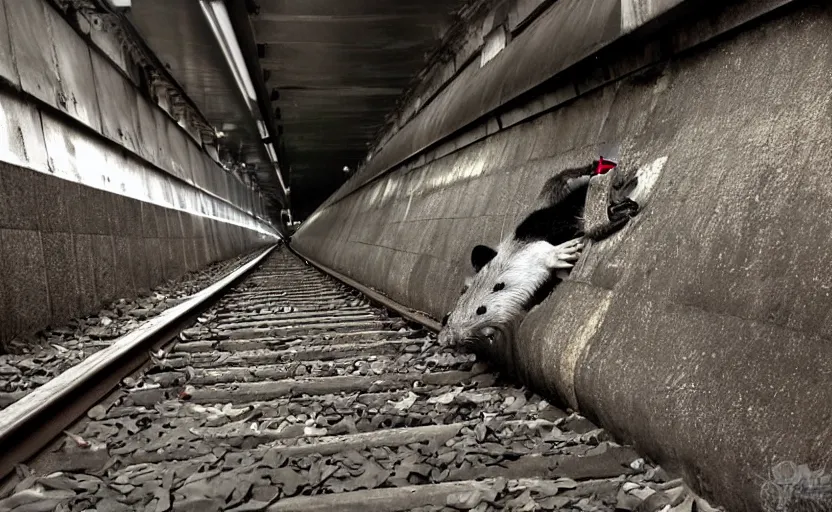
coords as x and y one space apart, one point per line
495 298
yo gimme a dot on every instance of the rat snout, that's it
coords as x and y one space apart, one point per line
488 334
495 336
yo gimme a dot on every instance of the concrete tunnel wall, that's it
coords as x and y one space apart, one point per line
701 332
102 193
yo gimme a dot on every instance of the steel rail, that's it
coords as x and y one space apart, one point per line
31 423
411 314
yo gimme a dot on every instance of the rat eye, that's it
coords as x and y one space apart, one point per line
499 286
445 319
464 289
481 310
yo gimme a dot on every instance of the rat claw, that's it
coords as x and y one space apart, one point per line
566 253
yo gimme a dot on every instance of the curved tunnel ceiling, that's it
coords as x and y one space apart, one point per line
334 69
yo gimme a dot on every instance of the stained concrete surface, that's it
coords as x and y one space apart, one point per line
55 69
23 278
68 248
116 97
54 197
104 258
154 260
125 285
87 295
61 274
700 331
140 266
7 67
38 76
18 201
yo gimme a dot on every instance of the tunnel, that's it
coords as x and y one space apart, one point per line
354 153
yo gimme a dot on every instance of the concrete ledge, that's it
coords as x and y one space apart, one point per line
47 143
594 43
119 107
60 75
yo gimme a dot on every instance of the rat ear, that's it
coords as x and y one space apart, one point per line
481 255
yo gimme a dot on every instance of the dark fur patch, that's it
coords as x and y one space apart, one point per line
555 224
481 255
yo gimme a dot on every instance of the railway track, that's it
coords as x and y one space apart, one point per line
293 393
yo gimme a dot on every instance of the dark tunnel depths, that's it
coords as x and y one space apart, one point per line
337 71
308 194
316 175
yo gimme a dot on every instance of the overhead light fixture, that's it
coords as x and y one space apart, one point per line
286 189
217 17
273 156
120 4
270 151
261 127
288 213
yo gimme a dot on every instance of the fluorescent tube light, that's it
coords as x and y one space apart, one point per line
217 17
120 4
261 127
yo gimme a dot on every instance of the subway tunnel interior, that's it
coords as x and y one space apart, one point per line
149 143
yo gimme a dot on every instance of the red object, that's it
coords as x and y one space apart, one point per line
604 166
